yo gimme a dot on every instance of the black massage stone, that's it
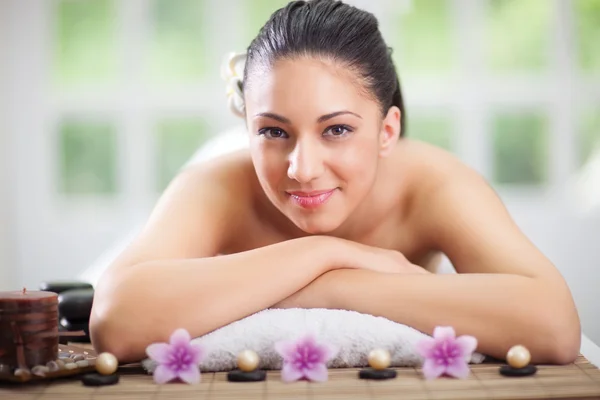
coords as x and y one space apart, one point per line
507 370
62 286
76 304
74 326
77 325
241 376
378 374
95 379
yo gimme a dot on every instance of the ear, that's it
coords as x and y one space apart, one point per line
390 131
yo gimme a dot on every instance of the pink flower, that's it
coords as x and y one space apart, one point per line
446 354
305 358
177 359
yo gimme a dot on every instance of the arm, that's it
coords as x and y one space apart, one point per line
506 292
169 277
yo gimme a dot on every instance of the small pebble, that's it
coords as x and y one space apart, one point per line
82 363
24 373
52 366
70 366
60 363
377 374
78 357
40 370
242 376
99 379
64 356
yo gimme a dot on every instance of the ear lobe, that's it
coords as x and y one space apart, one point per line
390 131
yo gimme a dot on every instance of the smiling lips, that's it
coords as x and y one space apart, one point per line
311 199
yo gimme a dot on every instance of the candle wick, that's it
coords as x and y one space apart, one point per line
24 290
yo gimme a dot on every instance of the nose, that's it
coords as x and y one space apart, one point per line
305 162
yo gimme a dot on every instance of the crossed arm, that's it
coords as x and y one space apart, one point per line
505 293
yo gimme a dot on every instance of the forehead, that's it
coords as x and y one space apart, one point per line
306 84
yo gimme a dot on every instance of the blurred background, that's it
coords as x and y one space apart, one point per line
102 101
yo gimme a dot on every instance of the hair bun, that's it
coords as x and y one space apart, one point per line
232 71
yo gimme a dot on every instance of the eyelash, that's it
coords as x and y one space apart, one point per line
346 128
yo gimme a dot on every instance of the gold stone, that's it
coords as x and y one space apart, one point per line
247 360
106 363
518 357
379 359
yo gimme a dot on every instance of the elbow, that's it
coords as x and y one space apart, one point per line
113 325
110 332
561 336
564 345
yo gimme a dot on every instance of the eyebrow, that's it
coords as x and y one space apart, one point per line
321 119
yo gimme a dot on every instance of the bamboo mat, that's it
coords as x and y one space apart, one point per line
580 380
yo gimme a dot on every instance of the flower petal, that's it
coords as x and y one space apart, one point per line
196 350
286 349
190 375
432 370
289 373
444 333
458 369
467 345
159 352
163 374
425 347
318 373
180 337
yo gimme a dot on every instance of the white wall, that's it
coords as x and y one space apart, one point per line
6 225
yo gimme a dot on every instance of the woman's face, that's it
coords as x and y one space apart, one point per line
315 139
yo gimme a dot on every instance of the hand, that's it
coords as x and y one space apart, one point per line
314 295
382 260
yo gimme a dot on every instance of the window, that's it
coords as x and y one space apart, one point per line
424 41
88 157
518 35
520 142
434 128
85 43
587 25
176 142
178 51
588 143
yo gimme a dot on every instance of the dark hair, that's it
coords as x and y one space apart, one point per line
337 31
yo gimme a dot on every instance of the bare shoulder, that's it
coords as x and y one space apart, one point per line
433 166
458 212
195 214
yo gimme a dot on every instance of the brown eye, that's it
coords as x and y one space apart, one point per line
337 131
273 133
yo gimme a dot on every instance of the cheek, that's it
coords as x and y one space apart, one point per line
269 165
357 161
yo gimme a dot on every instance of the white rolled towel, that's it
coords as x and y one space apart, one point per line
355 335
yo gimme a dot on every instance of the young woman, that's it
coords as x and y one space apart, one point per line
332 206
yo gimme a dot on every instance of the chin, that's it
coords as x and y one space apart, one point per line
316 225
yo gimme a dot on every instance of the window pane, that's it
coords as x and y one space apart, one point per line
589 136
424 41
85 42
518 34
520 150
178 52
88 157
177 140
435 129
587 22
256 15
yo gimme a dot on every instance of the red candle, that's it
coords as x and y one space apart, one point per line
28 328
